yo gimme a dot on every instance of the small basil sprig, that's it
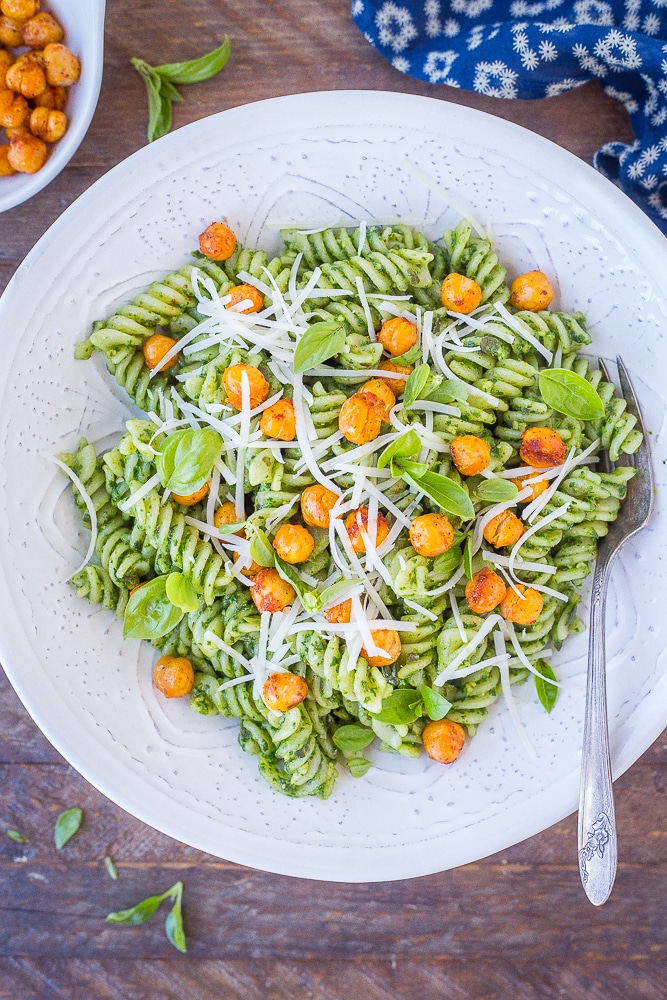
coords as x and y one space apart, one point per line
435 704
149 614
402 707
571 394
546 692
187 458
423 383
110 866
444 492
497 490
352 739
148 907
67 825
320 342
17 837
160 80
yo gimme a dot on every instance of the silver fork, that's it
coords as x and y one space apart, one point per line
597 825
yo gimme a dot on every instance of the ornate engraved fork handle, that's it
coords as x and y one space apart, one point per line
597 825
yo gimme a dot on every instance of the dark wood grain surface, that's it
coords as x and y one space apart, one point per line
515 926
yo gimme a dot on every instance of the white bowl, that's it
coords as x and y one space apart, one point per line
83 23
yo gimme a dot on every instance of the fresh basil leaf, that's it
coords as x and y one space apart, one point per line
138 914
435 704
329 594
444 492
404 446
409 358
174 923
261 549
358 766
415 384
168 90
449 391
159 105
185 466
18 838
416 469
149 614
161 123
352 739
449 561
320 342
402 707
467 557
546 692
196 70
180 592
288 573
111 868
67 825
571 394
497 490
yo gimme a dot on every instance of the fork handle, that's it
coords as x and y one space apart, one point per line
597 824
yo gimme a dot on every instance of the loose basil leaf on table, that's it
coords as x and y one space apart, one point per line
571 394
320 342
173 925
187 458
138 914
497 490
358 766
147 908
196 70
67 825
149 613
17 837
180 592
112 871
546 692
352 739
402 707
435 704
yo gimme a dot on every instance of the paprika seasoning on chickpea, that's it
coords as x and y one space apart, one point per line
397 385
158 345
245 293
232 380
443 740
542 447
389 641
381 390
459 293
339 614
192 498
270 592
431 534
470 454
226 514
397 335
523 608
316 504
485 591
359 420
356 525
279 421
173 676
531 291
503 529
293 543
217 242
283 691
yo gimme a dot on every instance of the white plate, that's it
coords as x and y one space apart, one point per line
309 160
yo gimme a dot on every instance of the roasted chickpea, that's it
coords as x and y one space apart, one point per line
19 130
217 242
26 76
10 32
26 153
226 514
51 125
358 420
316 504
270 592
537 487
6 60
443 740
19 10
283 691
383 393
173 676
531 291
357 521
431 534
339 614
397 335
41 30
542 447
459 293
388 640
51 97
397 385
293 543
523 610
470 454
485 591
5 166
279 421
258 387
155 347
192 498
245 293
503 529
249 567
14 110
62 66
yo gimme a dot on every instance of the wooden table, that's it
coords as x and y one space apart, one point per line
515 925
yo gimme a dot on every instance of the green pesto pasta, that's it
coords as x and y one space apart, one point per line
335 505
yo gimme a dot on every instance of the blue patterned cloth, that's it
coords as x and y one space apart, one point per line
519 48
